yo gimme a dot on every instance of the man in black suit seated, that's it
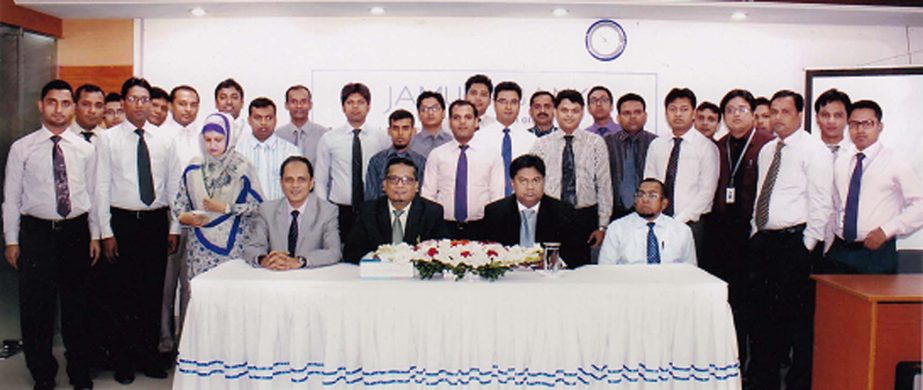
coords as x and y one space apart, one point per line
528 216
398 216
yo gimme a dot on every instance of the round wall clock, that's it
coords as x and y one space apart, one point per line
606 40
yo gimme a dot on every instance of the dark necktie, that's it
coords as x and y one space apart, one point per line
358 194
293 234
461 185
145 178
507 153
62 193
670 182
851 219
653 251
629 183
834 148
87 135
762 203
568 172
602 131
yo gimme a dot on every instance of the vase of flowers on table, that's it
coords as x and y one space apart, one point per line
461 257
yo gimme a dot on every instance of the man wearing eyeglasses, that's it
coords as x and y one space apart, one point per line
599 105
877 197
431 110
647 236
401 130
398 216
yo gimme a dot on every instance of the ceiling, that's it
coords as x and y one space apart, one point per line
897 13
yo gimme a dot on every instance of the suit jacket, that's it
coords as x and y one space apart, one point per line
502 222
616 143
740 212
318 234
373 226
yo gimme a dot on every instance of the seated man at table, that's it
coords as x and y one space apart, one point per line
647 235
528 216
297 231
397 216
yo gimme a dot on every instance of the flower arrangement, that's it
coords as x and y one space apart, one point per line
460 257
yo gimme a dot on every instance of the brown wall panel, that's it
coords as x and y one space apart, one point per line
109 78
14 15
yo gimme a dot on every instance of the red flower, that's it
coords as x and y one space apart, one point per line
466 254
492 253
432 252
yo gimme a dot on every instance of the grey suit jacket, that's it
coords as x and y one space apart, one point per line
318 234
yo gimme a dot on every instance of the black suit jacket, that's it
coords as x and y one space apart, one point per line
554 224
373 226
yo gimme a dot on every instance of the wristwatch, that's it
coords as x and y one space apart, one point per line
602 228
302 261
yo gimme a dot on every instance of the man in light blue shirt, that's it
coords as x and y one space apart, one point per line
263 148
647 236
401 130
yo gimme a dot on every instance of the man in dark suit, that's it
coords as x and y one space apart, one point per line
398 216
528 216
297 231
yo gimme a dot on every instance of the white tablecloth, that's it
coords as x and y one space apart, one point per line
661 327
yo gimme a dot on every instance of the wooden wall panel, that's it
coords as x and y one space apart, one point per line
109 78
14 15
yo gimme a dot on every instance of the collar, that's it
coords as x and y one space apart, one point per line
522 207
610 125
300 208
406 208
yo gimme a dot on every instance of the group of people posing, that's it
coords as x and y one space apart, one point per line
165 195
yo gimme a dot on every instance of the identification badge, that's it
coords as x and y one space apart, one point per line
729 195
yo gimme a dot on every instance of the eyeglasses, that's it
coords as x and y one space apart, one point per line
600 101
431 109
736 110
648 195
136 100
862 125
404 180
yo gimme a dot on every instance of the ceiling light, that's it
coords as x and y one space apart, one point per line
559 12
198 11
377 10
738 16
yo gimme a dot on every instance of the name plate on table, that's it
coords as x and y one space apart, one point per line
377 269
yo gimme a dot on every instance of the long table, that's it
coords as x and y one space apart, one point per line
632 327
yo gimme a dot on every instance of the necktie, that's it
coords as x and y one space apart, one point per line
507 152
87 135
358 189
293 234
653 251
397 228
629 183
602 131
670 181
568 173
851 219
461 185
61 192
762 203
145 178
834 149
526 233
297 137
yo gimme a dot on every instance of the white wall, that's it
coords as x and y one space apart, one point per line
268 55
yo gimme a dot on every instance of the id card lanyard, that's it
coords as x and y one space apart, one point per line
729 192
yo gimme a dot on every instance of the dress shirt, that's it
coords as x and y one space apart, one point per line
591 163
266 158
423 142
403 217
891 195
539 133
626 241
333 168
487 120
375 174
840 148
300 210
492 137
118 172
307 136
29 188
696 172
803 191
185 140
485 178
97 132
611 127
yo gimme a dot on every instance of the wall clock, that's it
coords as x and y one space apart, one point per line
606 40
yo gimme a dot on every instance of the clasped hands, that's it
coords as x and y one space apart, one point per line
279 261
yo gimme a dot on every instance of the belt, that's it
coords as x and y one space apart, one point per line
139 214
52 225
856 245
788 230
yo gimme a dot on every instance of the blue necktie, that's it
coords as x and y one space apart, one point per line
507 153
851 219
629 183
526 235
653 252
461 186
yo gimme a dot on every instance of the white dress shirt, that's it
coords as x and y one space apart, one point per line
333 168
403 217
696 173
266 158
803 191
485 178
29 187
626 241
492 136
305 138
185 140
118 172
890 196
97 132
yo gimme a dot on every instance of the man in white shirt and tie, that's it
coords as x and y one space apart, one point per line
160 106
647 236
793 205
830 112
343 156
89 112
507 135
229 99
877 197
478 90
137 183
301 131
51 231
263 148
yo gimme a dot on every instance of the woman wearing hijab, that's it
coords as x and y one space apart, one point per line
217 198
